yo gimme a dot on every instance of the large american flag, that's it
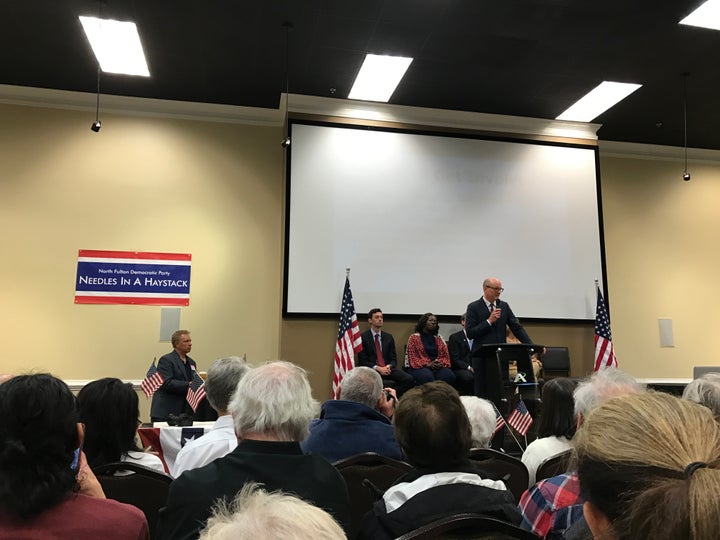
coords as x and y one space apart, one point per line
196 391
348 341
604 352
520 418
152 381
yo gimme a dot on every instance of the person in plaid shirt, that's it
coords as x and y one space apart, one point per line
552 506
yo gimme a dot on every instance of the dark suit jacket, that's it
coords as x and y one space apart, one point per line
170 397
276 465
460 353
477 327
367 356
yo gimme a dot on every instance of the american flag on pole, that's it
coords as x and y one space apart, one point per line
499 422
152 381
604 352
520 418
348 341
196 391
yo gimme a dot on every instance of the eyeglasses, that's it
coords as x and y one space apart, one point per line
498 289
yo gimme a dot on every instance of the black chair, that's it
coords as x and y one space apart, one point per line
467 526
555 465
510 470
556 362
358 470
145 488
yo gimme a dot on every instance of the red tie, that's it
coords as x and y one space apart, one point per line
378 351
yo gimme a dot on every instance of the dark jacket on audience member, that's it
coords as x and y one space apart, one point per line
276 465
424 506
346 428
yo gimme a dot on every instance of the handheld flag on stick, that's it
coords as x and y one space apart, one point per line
348 341
196 391
152 381
520 419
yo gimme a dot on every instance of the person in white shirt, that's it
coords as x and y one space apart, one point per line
222 378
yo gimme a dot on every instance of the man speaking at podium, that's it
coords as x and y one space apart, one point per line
485 322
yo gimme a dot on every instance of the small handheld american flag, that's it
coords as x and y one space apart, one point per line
520 419
196 391
152 381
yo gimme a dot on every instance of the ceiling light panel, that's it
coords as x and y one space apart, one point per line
706 16
116 46
598 100
379 76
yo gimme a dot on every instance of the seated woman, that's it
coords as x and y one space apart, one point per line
47 489
649 467
110 411
428 354
556 427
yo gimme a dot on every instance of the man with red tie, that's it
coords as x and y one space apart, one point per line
378 352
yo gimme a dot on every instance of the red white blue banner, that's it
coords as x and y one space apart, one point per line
132 277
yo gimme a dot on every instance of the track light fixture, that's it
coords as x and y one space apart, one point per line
686 174
285 143
96 125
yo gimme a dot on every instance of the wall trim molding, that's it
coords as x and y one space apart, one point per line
657 152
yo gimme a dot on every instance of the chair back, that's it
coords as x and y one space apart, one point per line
510 470
554 466
556 362
380 470
699 371
144 488
467 526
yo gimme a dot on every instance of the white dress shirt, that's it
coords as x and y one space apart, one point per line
217 442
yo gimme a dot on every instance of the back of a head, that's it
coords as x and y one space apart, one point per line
432 427
255 513
38 437
705 391
649 463
222 379
481 414
362 385
109 409
274 399
601 386
558 409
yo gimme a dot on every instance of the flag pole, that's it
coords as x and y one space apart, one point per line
347 272
507 426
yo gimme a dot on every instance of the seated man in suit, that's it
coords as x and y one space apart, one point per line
461 348
271 409
378 352
177 368
357 422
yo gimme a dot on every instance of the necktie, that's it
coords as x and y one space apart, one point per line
378 351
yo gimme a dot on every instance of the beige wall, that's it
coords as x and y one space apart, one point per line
215 190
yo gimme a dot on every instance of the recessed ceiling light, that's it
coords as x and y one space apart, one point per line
706 16
598 100
116 46
378 77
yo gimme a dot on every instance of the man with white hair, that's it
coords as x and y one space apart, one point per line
221 381
552 506
483 419
357 422
272 408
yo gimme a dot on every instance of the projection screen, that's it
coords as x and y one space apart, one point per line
422 218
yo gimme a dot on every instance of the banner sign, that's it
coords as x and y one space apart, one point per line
132 277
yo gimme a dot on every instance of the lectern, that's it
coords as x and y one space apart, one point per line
492 375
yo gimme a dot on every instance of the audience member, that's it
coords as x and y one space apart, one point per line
379 353
255 514
556 426
552 506
434 432
177 368
221 381
427 353
648 466
483 418
460 348
705 391
272 409
47 489
110 410
357 422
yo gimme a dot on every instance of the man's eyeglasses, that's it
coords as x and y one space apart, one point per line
498 289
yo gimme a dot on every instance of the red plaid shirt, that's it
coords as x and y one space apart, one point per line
551 506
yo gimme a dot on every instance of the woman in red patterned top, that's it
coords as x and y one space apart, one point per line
428 354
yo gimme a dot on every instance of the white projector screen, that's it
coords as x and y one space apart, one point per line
421 219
